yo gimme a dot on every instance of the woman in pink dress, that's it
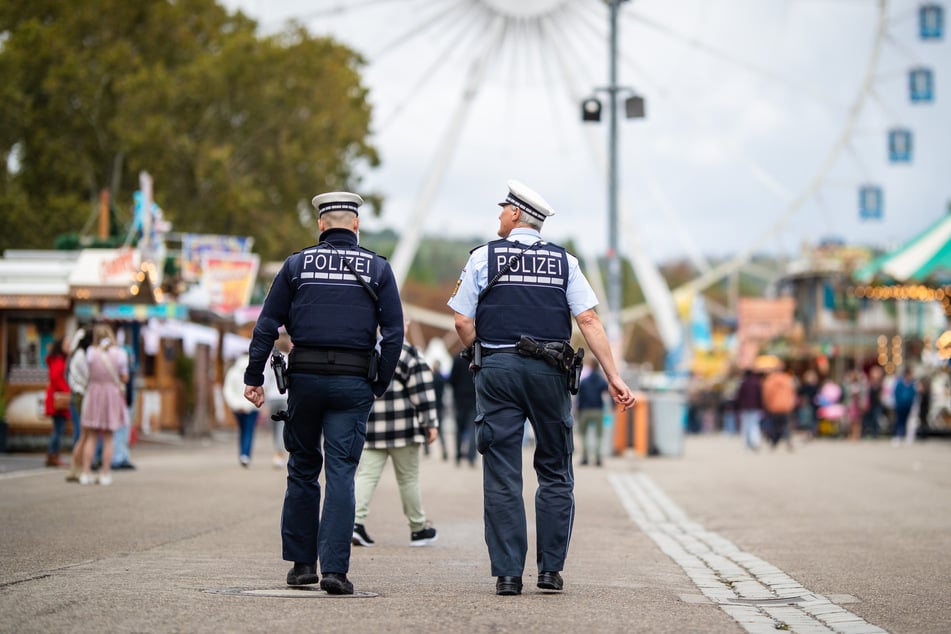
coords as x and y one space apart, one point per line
104 408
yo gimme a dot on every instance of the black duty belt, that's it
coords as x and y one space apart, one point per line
490 351
329 361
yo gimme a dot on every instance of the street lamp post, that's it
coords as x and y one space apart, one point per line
614 262
591 111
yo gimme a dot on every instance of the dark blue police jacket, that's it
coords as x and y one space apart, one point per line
530 299
320 303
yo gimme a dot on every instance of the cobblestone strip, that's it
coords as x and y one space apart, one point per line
756 594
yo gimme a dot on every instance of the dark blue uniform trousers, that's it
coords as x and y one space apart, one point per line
509 389
332 411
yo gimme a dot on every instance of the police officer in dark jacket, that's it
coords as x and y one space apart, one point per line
332 298
514 302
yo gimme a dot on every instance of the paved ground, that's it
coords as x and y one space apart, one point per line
833 536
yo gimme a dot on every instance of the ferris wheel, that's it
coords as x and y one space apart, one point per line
768 123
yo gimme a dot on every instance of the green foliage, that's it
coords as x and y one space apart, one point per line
437 261
238 130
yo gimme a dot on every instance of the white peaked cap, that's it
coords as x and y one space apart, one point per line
528 200
337 201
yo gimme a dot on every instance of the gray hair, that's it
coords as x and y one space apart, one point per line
530 220
342 218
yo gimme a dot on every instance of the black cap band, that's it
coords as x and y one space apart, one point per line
512 199
338 206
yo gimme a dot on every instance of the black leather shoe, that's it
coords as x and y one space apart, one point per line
302 575
508 586
336 583
550 581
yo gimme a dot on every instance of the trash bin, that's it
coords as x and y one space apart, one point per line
667 411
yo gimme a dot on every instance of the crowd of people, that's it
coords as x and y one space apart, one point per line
89 384
864 403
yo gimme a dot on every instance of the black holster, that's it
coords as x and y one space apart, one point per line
574 374
557 354
473 355
374 370
280 370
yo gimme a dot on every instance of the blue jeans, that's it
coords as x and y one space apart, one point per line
327 425
749 427
120 445
729 421
56 438
901 421
246 423
870 421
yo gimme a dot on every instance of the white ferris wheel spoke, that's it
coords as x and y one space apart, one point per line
412 231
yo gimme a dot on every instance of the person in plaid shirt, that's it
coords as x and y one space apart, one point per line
400 421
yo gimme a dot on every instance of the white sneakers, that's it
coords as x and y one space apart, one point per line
103 480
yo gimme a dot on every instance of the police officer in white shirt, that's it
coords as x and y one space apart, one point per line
513 306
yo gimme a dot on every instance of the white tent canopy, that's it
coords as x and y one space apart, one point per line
926 257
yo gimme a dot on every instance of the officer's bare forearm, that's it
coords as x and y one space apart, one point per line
597 339
465 328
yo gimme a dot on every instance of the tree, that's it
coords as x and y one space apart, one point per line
238 130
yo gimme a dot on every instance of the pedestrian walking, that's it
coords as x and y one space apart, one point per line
856 401
906 391
400 422
464 409
77 375
749 405
104 407
275 403
808 390
513 305
591 395
245 414
779 401
439 385
924 407
57 398
870 421
332 298
121 439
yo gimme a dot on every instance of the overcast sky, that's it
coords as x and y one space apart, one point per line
746 100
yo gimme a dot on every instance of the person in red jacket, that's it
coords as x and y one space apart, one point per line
56 366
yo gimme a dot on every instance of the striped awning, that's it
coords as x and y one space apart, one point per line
924 258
